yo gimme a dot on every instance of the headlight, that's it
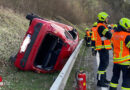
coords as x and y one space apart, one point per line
25 43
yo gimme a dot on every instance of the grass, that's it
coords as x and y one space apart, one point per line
13 27
71 84
20 80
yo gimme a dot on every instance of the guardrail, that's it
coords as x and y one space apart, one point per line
62 78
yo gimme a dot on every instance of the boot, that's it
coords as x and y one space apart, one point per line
101 84
112 88
105 80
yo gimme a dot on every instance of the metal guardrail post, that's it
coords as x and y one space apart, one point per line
61 80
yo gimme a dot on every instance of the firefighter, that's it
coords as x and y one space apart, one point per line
103 45
88 37
121 55
93 38
112 27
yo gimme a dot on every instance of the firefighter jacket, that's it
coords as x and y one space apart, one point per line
88 33
103 34
93 36
121 50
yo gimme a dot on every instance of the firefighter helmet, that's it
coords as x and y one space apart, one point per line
102 16
94 24
125 23
87 29
115 26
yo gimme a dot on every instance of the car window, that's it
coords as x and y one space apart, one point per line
68 35
73 33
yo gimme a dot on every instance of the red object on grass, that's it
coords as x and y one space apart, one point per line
81 81
46 46
0 79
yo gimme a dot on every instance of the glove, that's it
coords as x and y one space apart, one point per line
129 67
94 52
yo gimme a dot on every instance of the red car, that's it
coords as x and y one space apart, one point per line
46 46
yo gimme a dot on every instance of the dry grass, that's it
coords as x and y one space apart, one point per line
46 8
12 29
75 11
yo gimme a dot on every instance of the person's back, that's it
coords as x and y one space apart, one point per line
121 52
93 29
121 55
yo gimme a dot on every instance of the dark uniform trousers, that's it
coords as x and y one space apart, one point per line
104 61
116 75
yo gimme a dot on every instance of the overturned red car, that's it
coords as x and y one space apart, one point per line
46 46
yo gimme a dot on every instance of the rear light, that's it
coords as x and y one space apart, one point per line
25 43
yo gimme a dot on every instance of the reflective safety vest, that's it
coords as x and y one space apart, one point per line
88 33
121 53
102 42
94 36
